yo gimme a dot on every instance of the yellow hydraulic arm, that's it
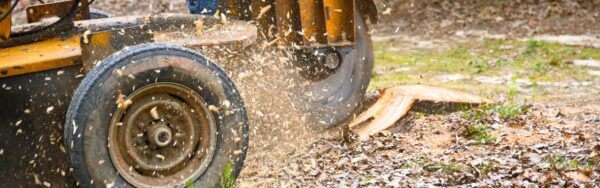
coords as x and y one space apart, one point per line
308 23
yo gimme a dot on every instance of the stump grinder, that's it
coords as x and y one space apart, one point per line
93 100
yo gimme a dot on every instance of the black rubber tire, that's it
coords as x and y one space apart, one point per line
90 111
346 88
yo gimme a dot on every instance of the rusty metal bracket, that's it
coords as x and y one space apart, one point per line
95 47
57 9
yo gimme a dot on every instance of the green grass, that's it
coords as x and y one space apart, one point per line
561 162
474 115
588 166
368 179
447 167
478 118
480 134
189 183
536 61
487 167
451 167
509 111
418 161
227 179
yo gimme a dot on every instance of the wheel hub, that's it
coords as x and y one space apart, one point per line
159 134
166 137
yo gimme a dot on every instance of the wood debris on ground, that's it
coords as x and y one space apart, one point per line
425 150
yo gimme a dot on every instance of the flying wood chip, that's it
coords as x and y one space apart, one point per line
394 103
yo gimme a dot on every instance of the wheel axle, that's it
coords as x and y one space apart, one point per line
160 134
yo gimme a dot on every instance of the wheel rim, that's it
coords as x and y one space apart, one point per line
166 137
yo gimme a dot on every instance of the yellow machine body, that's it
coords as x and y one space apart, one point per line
39 56
308 23
297 23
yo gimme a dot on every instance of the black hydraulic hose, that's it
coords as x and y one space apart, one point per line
42 33
9 11
70 15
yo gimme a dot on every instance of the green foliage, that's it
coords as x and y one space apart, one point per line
465 109
446 167
227 179
541 67
451 166
588 166
512 93
478 65
480 134
478 118
541 56
487 167
561 162
368 179
476 128
419 161
502 62
474 115
532 46
590 53
506 111
189 183
509 111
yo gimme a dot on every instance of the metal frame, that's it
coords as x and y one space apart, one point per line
77 46
36 13
300 24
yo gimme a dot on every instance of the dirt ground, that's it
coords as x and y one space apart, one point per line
551 141
545 133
